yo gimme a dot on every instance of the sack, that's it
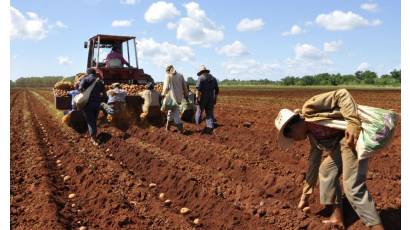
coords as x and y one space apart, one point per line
186 105
168 103
378 126
81 99
187 109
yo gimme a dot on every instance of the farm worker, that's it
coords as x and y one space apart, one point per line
342 159
116 100
92 108
174 91
151 106
115 59
207 93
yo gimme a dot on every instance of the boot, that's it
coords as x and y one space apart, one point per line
168 126
180 128
94 141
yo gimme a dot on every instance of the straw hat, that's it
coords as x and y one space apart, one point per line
284 116
202 69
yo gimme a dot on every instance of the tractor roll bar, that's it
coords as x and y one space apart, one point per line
136 56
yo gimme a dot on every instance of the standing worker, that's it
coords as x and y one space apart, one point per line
207 93
342 159
93 105
174 91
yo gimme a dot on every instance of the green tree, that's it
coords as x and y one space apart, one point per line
369 77
191 81
396 75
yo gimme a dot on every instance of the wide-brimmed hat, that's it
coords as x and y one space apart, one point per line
202 69
284 116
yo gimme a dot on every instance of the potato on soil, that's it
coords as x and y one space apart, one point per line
71 196
185 211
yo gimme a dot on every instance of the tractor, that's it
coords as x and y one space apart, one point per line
98 48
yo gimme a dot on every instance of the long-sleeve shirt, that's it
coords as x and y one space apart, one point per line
208 86
151 98
175 85
338 104
116 95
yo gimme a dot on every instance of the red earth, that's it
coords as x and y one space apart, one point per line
235 179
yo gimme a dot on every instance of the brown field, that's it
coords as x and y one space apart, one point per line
235 179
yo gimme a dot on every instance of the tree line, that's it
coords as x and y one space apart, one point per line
326 79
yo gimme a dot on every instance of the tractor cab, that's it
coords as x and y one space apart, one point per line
120 50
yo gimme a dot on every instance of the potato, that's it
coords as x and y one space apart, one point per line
185 211
197 222
71 196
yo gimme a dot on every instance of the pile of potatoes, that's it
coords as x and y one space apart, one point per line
61 88
158 87
133 90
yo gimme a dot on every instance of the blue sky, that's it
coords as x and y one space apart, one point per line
234 39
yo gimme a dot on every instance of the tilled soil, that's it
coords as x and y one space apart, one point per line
234 179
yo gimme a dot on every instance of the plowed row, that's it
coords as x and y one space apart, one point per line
235 179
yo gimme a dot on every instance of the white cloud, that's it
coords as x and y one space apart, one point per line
247 24
332 46
308 60
307 51
64 60
372 7
160 11
233 50
295 30
60 24
129 2
121 23
197 28
164 53
250 69
31 26
171 26
339 20
363 66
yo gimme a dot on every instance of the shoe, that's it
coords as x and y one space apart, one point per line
207 131
180 128
94 141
